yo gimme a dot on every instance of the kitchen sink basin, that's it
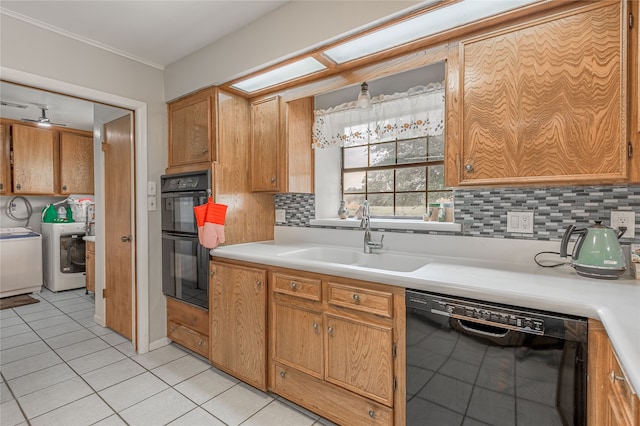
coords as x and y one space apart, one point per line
353 257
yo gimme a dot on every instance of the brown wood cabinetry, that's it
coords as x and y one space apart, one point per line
5 164
192 129
188 325
35 160
610 399
334 346
90 266
238 306
281 154
76 164
541 102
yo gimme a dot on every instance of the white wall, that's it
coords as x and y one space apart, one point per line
294 28
71 67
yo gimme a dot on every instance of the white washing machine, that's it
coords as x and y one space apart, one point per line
20 261
63 252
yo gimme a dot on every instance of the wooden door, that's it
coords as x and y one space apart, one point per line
76 164
35 159
119 230
237 310
265 141
90 266
359 357
298 338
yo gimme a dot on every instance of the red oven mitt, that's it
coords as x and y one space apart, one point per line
213 229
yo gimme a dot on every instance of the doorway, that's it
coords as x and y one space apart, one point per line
141 236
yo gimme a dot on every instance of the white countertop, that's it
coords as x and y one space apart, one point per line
494 270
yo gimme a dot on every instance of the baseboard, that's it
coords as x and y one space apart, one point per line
159 343
99 320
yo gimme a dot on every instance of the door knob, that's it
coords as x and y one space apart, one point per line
125 238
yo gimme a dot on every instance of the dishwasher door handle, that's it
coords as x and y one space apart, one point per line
483 333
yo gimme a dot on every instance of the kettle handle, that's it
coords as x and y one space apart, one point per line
578 245
565 240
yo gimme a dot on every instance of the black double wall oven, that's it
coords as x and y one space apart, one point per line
185 263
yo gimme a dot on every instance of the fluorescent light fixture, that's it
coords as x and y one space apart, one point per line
430 23
288 72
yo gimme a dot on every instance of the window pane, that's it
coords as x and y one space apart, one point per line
440 197
383 154
411 204
353 182
411 179
355 157
436 177
436 148
412 151
381 204
353 201
380 181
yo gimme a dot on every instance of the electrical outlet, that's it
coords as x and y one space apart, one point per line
13 207
621 218
151 204
281 215
520 222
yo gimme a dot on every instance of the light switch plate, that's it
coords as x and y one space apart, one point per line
520 222
281 215
151 188
624 218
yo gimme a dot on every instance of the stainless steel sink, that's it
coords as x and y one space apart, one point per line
355 257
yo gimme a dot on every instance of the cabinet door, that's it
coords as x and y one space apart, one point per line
192 129
545 102
298 338
359 357
76 164
237 310
5 166
265 145
35 159
90 266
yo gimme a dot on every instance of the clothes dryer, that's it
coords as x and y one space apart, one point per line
63 251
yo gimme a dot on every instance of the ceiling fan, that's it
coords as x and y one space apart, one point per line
43 121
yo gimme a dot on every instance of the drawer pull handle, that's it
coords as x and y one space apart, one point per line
293 285
372 413
615 377
282 374
356 298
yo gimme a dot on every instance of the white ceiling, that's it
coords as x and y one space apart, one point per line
156 33
153 32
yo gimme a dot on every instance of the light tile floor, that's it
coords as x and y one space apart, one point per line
59 367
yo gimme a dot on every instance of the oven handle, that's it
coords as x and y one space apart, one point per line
472 330
176 237
201 194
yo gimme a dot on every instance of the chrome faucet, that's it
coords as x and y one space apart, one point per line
365 224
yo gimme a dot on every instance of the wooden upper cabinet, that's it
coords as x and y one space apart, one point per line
192 129
542 102
76 164
35 160
5 164
281 154
265 145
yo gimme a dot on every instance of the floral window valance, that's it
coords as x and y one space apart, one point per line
418 112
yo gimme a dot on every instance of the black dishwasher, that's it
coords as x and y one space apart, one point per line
471 362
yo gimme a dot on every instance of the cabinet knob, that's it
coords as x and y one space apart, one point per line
356 298
315 326
173 329
293 285
205 150
200 343
212 272
273 179
258 283
1 186
469 168
18 186
282 374
615 377
64 187
372 413
330 330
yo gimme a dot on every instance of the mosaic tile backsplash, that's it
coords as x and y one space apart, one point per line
483 212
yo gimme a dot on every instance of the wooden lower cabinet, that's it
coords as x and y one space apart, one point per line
238 318
610 398
188 325
90 266
335 347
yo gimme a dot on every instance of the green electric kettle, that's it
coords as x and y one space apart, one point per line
597 252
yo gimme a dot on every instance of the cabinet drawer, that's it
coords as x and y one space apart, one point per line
622 397
194 317
188 338
332 402
365 300
306 288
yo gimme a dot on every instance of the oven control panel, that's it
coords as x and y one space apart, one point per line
506 319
